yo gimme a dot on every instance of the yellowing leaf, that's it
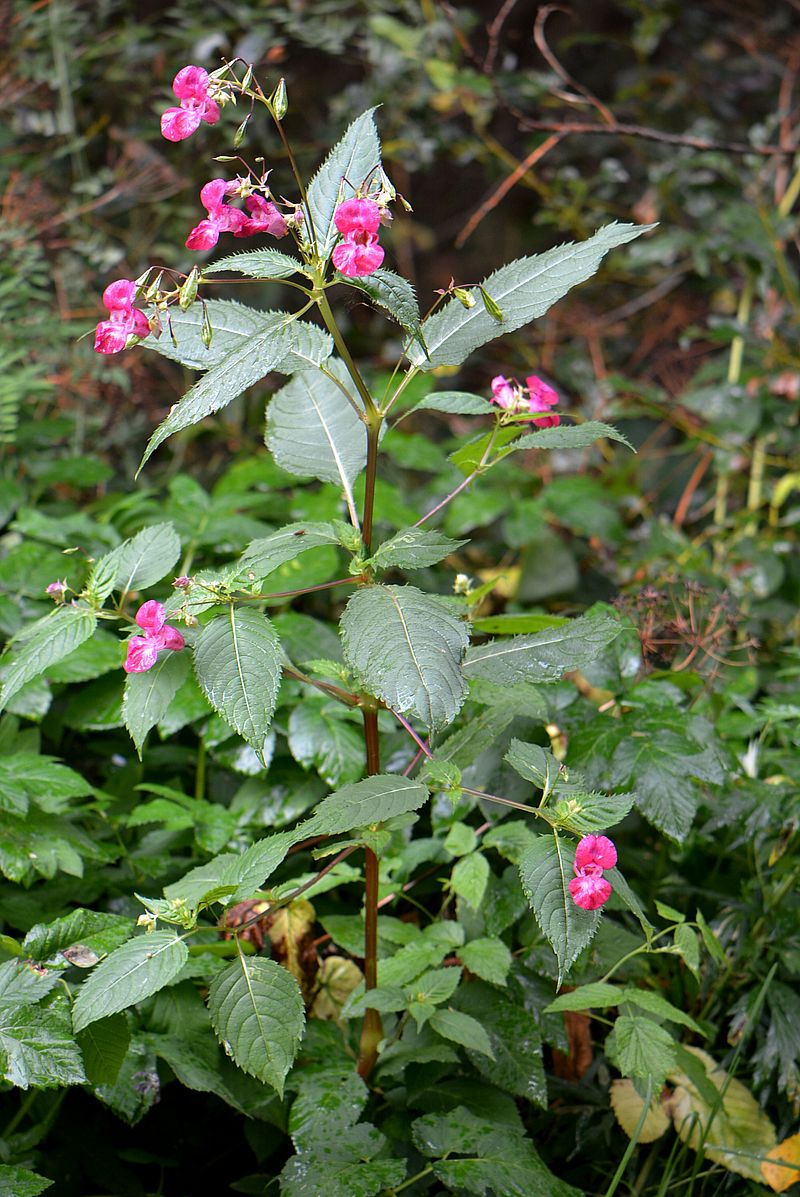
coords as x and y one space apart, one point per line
781 1168
627 1106
738 1136
337 979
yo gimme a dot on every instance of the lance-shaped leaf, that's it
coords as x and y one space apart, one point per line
266 554
392 292
257 1013
286 345
569 436
42 644
546 871
133 972
351 162
414 548
21 1182
104 1046
373 800
456 403
545 656
313 431
232 326
148 695
258 263
407 648
523 290
237 659
137 563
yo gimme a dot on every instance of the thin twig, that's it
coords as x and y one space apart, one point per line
503 189
494 34
551 60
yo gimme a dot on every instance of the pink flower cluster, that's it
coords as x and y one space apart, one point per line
124 319
536 396
192 86
143 650
358 253
222 218
589 888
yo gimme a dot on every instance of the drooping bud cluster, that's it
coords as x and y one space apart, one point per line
589 888
535 397
195 90
143 650
358 253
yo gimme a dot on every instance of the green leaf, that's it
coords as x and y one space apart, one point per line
463 1029
268 553
350 1163
655 1004
91 659
544 657
414 548
488 958
515 1039
104 1045
43 643
37 1047
661 762
469 878
313 431
21 984
641 1048
586 813
237 659
545 871
237 371
257 263
148 695
133 972
510 625
492 1158
145 558
257 1013
587 997
407 648
457 403
321 738
669 912
28 777
97 930
19 1182
712 943
535 764
373 800
523 290
233 326
330 1099
687 946
570 436
392 292
351 162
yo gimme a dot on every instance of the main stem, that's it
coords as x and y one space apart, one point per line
372 1029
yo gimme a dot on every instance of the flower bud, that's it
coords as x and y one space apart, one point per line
188 292
279 100
464 297
491 307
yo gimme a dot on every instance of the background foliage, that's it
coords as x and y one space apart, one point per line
688 344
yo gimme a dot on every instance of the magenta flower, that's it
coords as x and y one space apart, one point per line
358 253
191 86
124 320
57 590
503 394
143 650
527 401
264 218
222 218
542 398
589 888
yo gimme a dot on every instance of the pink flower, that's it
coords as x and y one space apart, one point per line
125 320
358 253
57 590
358 216
503 394
143 650
222 218
525 401
191 86
542 398
589 888
264 218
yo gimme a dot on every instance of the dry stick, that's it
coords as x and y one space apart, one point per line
494 34
500 192
691 486
551 60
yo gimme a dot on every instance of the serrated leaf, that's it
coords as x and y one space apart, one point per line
587 813
523 290
21 984
392 292
488 958
320 738
257 263
373 800
544 657
330 1099
133 972
463 1029
349 1163
313 431
233 325
469 878
414 548
535 764
237 659
96 929
586 997
570 436
457 403
104 1045
89 660
516 1041
351 162
20 1182
641 1048
545 871
268 553
257 1013
687 946
145 558
42 644
148 695
27 777
407 649
37 1047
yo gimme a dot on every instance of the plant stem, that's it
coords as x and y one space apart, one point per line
344 696
341 347
372 1029
373 434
